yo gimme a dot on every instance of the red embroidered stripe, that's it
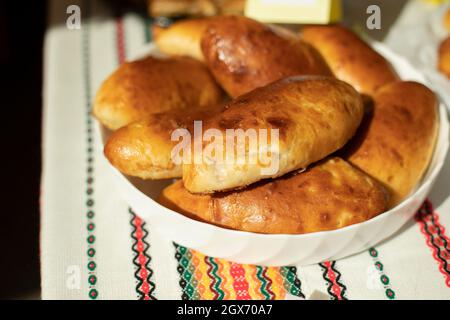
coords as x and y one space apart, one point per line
336 289
436 239
120 39
144 287
240 285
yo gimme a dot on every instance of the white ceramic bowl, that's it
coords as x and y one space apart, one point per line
282 249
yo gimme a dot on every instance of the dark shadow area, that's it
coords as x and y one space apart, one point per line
114 8
21 34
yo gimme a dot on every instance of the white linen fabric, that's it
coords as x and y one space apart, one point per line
94 247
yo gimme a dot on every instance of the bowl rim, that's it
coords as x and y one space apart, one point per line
439 155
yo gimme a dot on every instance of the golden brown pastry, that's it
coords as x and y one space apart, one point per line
151 85
143 148
170 8
174 8
444 57
350 58
228 7
244 54
394 145
330 195
182 38
314 116
447 20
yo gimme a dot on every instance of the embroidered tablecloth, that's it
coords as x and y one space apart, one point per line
93 246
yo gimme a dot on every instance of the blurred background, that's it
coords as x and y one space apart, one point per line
22 31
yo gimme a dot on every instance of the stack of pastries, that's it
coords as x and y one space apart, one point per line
354 140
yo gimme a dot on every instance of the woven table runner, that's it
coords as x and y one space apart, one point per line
93 246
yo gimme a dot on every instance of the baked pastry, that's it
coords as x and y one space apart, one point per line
228 7
444 57
350 58
314 116
181 38
144 148
396 142
151 85
171 8
447 20
174 8
330 195
244 54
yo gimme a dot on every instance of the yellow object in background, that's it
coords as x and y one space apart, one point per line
436 2
294 11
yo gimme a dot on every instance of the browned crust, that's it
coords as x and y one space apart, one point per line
182 38
152 85
396 142
328 196
444 57
244 54
143 148
315 116
350 58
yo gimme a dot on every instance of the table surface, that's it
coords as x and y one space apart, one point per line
93 246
